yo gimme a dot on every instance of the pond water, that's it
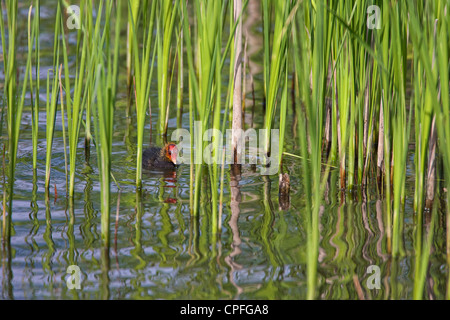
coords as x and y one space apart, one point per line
160 251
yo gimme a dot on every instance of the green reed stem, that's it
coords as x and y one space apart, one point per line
142 80
167 13
35 102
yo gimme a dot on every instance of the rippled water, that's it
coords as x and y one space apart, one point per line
159 251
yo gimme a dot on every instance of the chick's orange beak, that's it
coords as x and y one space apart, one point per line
174 155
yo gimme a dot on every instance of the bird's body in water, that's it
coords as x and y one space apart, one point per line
162 158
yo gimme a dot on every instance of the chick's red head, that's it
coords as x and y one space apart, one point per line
172 152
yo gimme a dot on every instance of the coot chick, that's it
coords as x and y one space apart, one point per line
156 157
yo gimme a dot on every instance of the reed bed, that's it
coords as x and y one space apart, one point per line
358 92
